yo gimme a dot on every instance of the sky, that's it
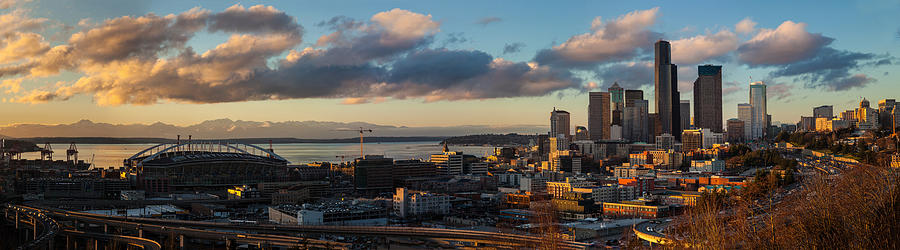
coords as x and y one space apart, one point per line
425 63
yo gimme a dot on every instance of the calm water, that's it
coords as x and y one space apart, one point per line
105 155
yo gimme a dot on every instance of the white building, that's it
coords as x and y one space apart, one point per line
409 203
343 213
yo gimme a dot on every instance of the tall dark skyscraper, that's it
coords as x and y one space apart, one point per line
685 114
633 94
708 98
667 99
599 115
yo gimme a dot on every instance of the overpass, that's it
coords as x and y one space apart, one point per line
265 236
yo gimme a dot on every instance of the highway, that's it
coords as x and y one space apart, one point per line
226 230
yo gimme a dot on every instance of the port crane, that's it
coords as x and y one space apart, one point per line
47 152
72 153
361 130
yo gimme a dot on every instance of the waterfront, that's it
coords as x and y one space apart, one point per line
106 155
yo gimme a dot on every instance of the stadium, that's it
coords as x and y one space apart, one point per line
166 168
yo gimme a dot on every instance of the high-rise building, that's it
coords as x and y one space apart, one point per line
616 96
758 112
372 173
745 114
824 111
654 127
635 125
448 162
559 123
735 130
867 118
685 114
667 98
887 109
708 98
633 94
691 139
599 116
665 142
886 103
581 133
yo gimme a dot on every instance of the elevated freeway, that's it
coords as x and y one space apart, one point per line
236 232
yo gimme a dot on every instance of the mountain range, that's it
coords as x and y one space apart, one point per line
227 128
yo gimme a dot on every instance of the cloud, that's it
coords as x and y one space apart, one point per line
700 48
847 83
745 26
146 60
830 69
18 21
12 85
459 75
385 35
7 4
256 19
35 96
730 88
788 43
454 38
512 48
618 39
18 46
488 20
778 91
144 36
630 75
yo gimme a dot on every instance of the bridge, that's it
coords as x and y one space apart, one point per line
268 236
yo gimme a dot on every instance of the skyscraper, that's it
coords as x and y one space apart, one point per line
599 115
559 123
708 98
824 111
633 94
616 96
666 99
581 133
745 114
685 114
735 130
635 126
758 112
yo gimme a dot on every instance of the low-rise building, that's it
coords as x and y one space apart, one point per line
707 165
408 203
636 209
631 171
895 162
243 192
342 213
286 196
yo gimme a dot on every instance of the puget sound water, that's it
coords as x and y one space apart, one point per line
112 155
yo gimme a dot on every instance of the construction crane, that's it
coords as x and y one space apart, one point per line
47 152
72 153
361 131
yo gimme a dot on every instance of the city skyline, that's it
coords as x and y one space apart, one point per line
797 79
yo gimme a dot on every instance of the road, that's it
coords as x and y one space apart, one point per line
220 230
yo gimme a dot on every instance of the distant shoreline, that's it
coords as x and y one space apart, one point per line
145 140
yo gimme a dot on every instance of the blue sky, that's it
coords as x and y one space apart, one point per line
850 28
